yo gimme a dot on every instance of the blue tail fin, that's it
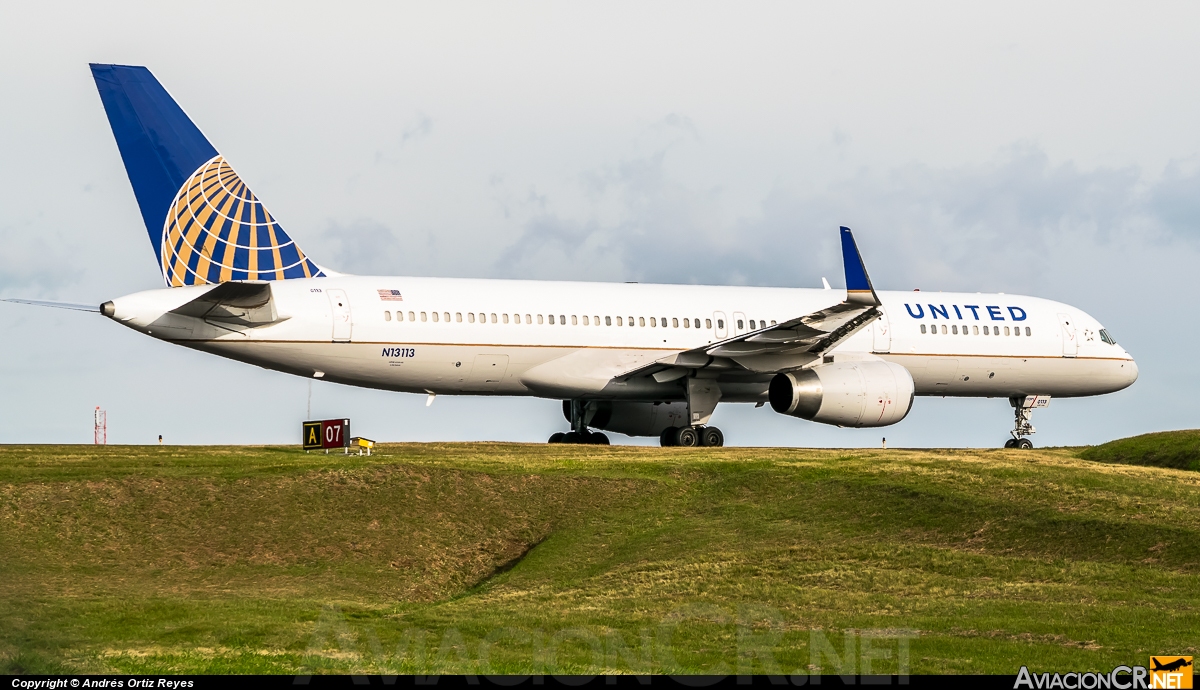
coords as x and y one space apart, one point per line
204 222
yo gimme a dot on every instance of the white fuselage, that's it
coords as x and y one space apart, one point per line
571 340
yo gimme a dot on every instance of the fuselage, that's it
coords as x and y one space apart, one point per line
574 340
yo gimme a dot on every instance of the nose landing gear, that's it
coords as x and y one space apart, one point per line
1023 406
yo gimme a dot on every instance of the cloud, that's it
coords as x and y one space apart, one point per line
924 226
364 247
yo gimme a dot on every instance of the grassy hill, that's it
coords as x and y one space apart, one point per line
508 558
1175 449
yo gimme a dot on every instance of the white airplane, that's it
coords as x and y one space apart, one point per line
641 360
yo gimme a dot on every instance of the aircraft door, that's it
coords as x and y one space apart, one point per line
739 323
487 371
342 321
721 326
1070 342
883 333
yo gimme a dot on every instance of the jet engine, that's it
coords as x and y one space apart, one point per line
854 394
632 418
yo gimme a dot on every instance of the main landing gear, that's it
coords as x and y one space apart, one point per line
702 397
579 432
594 438
691 436
1022 412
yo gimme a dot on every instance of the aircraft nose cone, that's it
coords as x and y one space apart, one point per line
1133 371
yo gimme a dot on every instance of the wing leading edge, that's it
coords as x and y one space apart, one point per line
786 346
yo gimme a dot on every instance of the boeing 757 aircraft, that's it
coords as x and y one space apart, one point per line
641 360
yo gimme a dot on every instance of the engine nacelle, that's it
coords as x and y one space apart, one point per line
632 418
854 394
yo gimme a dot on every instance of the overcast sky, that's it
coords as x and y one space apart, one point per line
1051 150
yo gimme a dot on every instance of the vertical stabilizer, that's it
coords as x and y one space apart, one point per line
205 224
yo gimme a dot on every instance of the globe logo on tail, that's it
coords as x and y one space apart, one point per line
216 231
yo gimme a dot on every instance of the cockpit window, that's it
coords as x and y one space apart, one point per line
1106 337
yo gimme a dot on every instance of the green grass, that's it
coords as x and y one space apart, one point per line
506 558
1175 449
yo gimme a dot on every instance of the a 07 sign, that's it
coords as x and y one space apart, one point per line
330 433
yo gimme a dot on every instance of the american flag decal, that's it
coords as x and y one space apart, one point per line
390 295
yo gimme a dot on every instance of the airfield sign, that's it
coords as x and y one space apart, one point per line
326 434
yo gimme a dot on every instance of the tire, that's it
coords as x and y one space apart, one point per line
557 437
572 437
1025 444
687 437
597 439
711 436
667 438
1010 443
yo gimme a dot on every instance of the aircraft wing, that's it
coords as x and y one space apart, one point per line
789 345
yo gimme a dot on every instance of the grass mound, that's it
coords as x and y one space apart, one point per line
1178 450
506 558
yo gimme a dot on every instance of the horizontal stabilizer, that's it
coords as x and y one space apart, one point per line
247 304
59 305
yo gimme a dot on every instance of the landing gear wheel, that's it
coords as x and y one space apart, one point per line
572 437
557 437
667 438
597 439
712 436
686 437
1025 444
1010 443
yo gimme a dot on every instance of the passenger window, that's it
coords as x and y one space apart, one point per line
620 321
753 326
721 323
458 317
708 323
975 329
574 320
653 322
772 322
470 317
562 320
1016 330
1027 330
539 319
504 318
412 316
551 317
922 328
675 323
399 316
387 315
740 324
1006 330
696 323
595 320
629 321
608 321
435 317
446 316
985 331
641 322
585 320
423 316
687 323
954 330
943 330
